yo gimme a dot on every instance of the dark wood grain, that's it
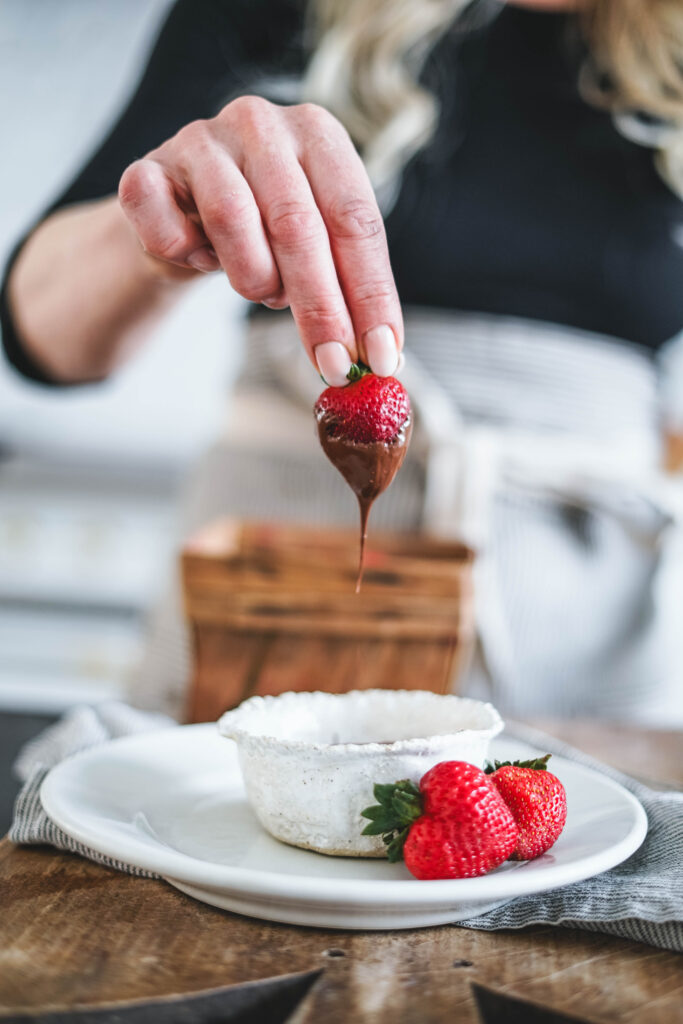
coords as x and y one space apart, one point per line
73 934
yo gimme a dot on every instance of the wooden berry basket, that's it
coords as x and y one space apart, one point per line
272 607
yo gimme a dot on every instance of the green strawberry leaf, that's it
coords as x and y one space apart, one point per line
378 828
398 805
384 792
357 371
395 846
407 807
408 787
538 763
375 813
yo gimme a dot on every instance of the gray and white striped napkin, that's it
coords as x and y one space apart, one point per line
79 729
641 899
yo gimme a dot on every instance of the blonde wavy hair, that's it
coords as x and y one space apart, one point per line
369 55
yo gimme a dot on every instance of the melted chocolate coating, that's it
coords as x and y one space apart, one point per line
367 468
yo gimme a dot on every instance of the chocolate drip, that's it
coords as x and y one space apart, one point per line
368 468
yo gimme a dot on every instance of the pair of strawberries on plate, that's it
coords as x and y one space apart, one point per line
462 821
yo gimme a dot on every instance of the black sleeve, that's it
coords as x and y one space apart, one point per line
208 51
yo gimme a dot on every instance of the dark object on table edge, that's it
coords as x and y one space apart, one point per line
271 1001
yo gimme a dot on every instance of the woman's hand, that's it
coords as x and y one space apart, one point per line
279 198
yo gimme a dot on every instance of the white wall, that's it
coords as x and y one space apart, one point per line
89 477
66 68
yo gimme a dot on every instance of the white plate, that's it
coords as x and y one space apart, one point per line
173 802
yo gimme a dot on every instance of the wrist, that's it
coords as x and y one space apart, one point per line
83 292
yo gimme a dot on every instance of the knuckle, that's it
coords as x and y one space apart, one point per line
315 115
320 314
251 109
226 213
292 223
192 141
134 186
197 129
193 134
166 247
319 128
374 292
355 219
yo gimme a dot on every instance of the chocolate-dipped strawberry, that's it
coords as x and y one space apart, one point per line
364 429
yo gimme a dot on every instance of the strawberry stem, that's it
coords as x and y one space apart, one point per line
398 805
538 763
357 371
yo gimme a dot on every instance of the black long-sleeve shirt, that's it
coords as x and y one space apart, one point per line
527 202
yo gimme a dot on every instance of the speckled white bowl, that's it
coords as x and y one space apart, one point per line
310 760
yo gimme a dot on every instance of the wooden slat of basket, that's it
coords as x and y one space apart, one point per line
227 538
273 607
234 666
397 617
296 559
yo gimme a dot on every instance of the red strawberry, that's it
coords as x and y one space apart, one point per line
454 826
364 430
369 409
537 800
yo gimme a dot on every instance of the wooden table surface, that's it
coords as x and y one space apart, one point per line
73 934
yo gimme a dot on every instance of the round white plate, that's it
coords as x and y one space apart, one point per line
173 802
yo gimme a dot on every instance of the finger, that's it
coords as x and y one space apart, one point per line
279 301
344 195
149 199
299 241
232 222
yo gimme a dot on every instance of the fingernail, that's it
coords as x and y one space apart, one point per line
401 362
381 350
203 259
334 362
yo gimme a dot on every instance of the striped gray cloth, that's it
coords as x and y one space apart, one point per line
641 899
81 728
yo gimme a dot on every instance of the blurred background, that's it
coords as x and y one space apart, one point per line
89 479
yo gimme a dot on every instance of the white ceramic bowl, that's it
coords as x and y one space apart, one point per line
309 760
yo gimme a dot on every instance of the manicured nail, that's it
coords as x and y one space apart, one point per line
381 350
203 259
334 362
